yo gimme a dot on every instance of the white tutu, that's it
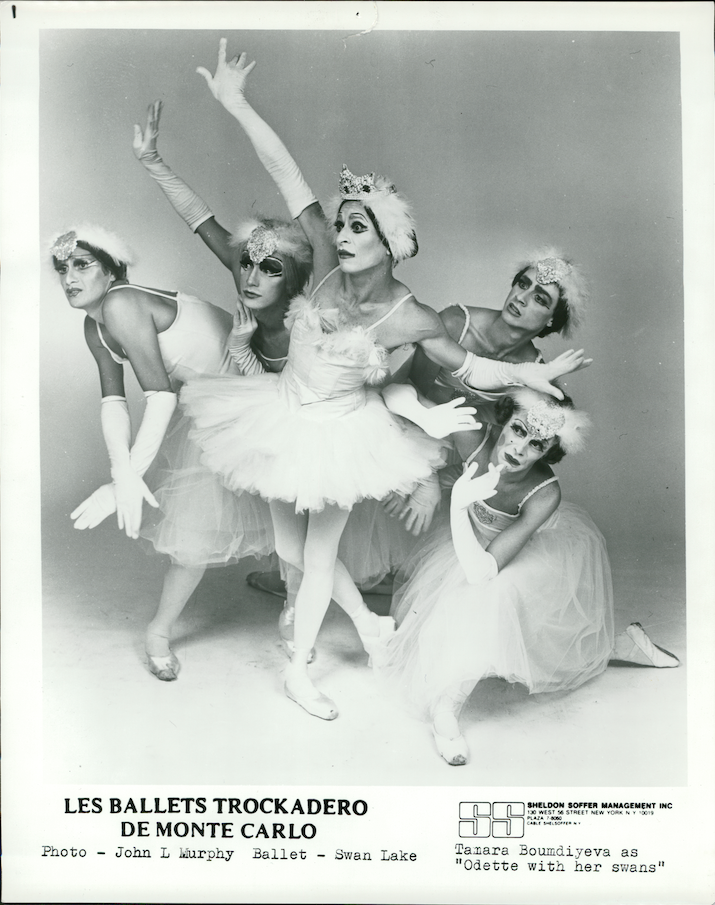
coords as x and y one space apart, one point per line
545 621
199 521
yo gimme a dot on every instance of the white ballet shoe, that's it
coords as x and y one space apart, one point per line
304 693
453 750
375 644
164 666
644 652
286 621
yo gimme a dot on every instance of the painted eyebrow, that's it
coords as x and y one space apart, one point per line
545 291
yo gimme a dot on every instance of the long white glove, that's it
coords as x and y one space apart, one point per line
437 421
227 86
128 467
421 505
192 209
239 341
485 374
477 563
101 504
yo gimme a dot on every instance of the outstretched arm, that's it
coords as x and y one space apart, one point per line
486 374
192 209
227 85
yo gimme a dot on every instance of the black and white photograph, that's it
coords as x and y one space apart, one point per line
356 454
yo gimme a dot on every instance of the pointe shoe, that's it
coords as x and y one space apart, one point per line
164 668
453 750
285 630
645 652
268 582
312 700
375 644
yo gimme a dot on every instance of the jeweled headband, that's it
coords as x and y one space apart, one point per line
390 210
65 244
267 237
262 243
552 267
545 419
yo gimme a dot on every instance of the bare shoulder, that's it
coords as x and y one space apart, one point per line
543 498
130 301
424 321
454 320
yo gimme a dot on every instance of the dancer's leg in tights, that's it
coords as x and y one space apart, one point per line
180 582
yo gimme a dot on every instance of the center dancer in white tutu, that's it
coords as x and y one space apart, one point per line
317 439
518 588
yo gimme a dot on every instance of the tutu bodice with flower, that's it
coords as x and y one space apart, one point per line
546 619
199 522
318 433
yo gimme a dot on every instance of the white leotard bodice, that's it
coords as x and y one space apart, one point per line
330 362
196 342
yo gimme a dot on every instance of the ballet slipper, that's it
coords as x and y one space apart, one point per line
641 650
285 630
453 750
375 643
300 689
165 666
268 582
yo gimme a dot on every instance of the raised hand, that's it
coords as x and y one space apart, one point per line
144 144
467 489
228 84
95 508
539 376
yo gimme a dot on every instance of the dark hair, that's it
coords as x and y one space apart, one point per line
560 315
118 269
504 409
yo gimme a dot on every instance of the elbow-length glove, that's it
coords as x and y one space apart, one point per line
478 564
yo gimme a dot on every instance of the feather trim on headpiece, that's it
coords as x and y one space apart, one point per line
390 209
64 245
552 267
546 417
265 236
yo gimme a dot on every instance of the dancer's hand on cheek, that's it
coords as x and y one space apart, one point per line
468 489
228 84
244 322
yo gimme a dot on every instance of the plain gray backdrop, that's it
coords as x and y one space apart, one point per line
503 141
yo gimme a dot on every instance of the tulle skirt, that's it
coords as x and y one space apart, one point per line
199 521
545 621
257 441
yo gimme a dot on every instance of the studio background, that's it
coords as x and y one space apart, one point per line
503 141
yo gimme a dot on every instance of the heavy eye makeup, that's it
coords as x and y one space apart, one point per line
269 266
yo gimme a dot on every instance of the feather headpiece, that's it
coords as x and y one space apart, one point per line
552 267
390 209
266 236
65 244
546 417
